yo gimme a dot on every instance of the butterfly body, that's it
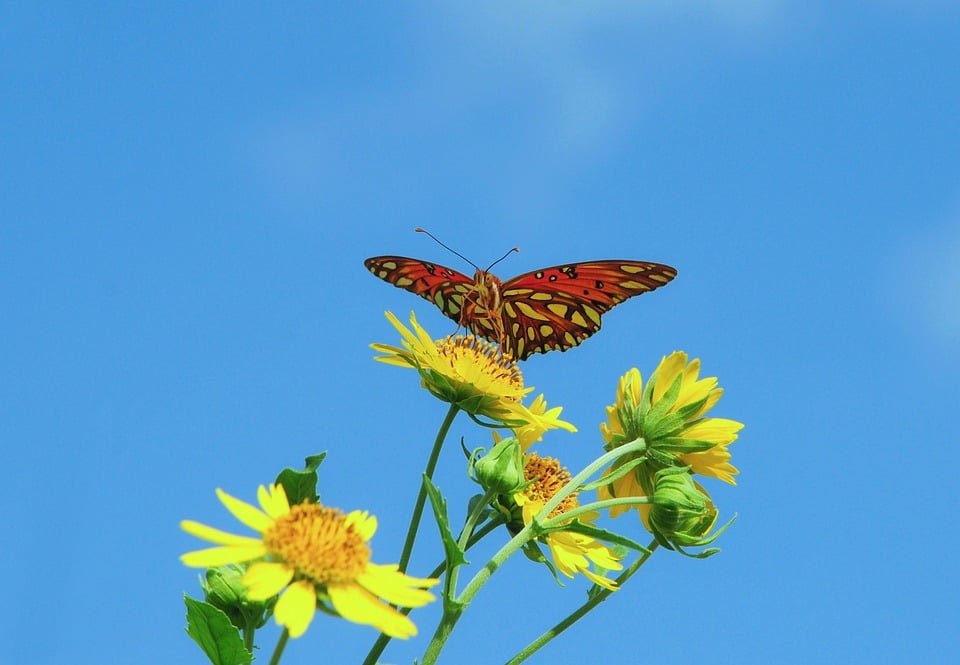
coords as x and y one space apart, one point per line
550 309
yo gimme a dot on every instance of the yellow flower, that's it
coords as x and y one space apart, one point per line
669 414
461 369
571 552
306 550
539 419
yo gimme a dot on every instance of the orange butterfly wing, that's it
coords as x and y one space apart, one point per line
444 287
557 308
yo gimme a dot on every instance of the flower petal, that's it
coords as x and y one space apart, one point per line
296 607
363 523
266 579
396 588
215 535
273 500
220 556
243 511
356 604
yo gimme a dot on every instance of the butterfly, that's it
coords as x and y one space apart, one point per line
544 310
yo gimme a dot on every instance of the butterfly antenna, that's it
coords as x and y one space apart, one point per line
419 230
515 249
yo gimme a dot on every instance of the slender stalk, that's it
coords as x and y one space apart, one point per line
248 632
422 496
530 531
594 507
577 614
450 583
377 649
451 616
281 644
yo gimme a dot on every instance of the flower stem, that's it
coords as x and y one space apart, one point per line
384 639
281 644
422 496
450 583
595 506
454 610
594 600
248 632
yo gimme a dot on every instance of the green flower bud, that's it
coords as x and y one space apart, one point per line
501 469
682 513
223 588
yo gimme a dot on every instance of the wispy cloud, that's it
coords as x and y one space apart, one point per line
930 298
532 79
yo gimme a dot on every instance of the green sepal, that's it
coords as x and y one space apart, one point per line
302 485
455 556
213 632
662 407
677 444
224 589
655 429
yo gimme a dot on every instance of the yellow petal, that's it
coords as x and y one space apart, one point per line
243 511
296 607
363 523
215 535
220 556
356 604
393 586
273 500
265 579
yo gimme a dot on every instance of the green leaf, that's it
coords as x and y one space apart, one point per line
454 555
300 485
211 629
602 534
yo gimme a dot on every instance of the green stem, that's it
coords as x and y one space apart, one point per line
595 506
529 532
383 640
576 615
450 582
281 644
248 632
422 496
452 615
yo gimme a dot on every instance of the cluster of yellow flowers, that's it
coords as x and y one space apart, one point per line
307 556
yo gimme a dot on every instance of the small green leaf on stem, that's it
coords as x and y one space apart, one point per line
211 629
455 555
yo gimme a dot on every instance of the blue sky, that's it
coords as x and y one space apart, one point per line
188 195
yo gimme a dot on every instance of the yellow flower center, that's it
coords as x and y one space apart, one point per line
318 543
473 358
548 478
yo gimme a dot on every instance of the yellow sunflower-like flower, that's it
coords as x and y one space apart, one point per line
571 552
473 374
669 414
308 550
461 369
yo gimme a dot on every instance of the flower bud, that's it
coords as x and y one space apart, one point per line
682 513
501 469
223 588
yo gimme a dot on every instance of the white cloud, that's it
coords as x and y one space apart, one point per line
931 294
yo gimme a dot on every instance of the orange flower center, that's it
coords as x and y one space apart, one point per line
318 543
548 478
